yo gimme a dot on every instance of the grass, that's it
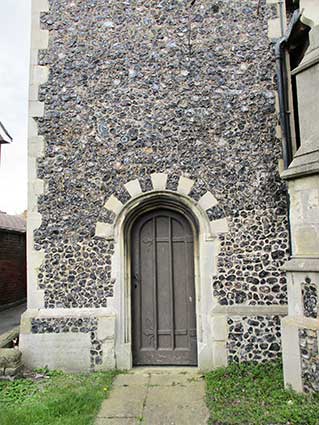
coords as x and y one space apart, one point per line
245 394
249 394
59 399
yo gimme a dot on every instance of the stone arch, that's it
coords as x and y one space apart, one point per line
206 202
207 249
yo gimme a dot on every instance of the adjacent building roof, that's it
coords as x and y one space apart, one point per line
14 223
4 135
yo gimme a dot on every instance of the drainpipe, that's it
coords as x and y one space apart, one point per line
282 82
283 86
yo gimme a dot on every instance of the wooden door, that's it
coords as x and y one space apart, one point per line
163 290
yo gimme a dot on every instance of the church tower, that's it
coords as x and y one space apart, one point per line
157 223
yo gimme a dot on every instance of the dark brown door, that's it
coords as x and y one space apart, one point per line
163 293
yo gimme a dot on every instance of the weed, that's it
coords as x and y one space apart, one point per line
17 391
47 372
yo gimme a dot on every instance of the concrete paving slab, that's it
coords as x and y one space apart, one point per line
177 395
174 379
190 415
118 421
130 379
156 396
124 402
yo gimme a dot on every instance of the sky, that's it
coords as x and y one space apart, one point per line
14 77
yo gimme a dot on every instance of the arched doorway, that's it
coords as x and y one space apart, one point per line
163 289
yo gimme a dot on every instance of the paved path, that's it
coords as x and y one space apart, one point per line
10 318
156 396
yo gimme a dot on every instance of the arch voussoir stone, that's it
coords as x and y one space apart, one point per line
219 226
133 187
159 184
207 201
104 230
113 204
185 185
159 181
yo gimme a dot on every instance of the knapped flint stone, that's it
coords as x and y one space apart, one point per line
254 338
310 299
308 342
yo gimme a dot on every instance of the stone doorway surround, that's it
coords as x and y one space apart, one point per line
206 251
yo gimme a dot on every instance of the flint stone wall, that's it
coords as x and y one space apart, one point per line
159 86
254 338
309 346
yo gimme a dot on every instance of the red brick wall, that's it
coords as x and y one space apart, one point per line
12 267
